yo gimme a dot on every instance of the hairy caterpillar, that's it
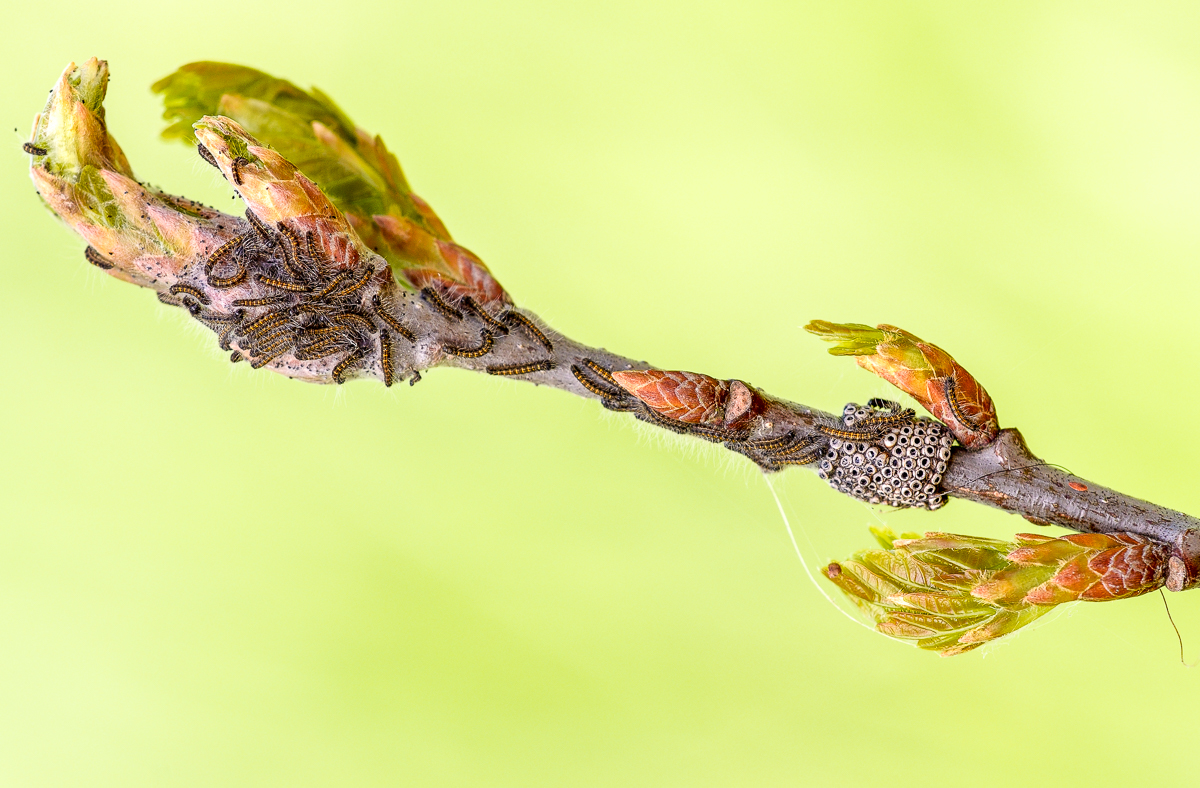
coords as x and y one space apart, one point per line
385 356
513 316
386 317
469 304
95 258
430 295
195 293
485 346
543 365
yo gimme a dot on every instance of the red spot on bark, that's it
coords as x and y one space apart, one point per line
1077 486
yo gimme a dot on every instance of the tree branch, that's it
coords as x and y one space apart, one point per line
1008 476
321 289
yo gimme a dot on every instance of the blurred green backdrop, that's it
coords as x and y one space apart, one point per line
210 576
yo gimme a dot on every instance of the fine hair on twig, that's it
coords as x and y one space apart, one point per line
1024 467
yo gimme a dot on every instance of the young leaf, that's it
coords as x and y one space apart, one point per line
924 371
952 593
355 169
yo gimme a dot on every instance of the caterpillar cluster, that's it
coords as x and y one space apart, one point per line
452 309
493 326
792 448
900 463
304 306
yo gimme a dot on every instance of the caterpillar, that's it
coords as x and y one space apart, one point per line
271 353
706 431
224 325
432 297
954 400
847 434
602 372
882 423
271 335
315 252
385 356
674 425
291 251
289 234
321 349
620 405
485 347
223 339
544 365
358 285
514 317
350 360
602 391
292 263
390 320
333 284
195 293
222 252
207 155
711 432
802 446
769 445
326 333
469 304
268 320
804 459
34 150
268 301
219 256
235 169
95 258
218 319
279 284
587 383
349 319
259 228
223 282
269 340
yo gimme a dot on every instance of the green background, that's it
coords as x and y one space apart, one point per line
210 576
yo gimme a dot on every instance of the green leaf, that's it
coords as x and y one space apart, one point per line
195 90
353 168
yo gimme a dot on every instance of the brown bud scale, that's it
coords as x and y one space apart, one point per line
689 397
